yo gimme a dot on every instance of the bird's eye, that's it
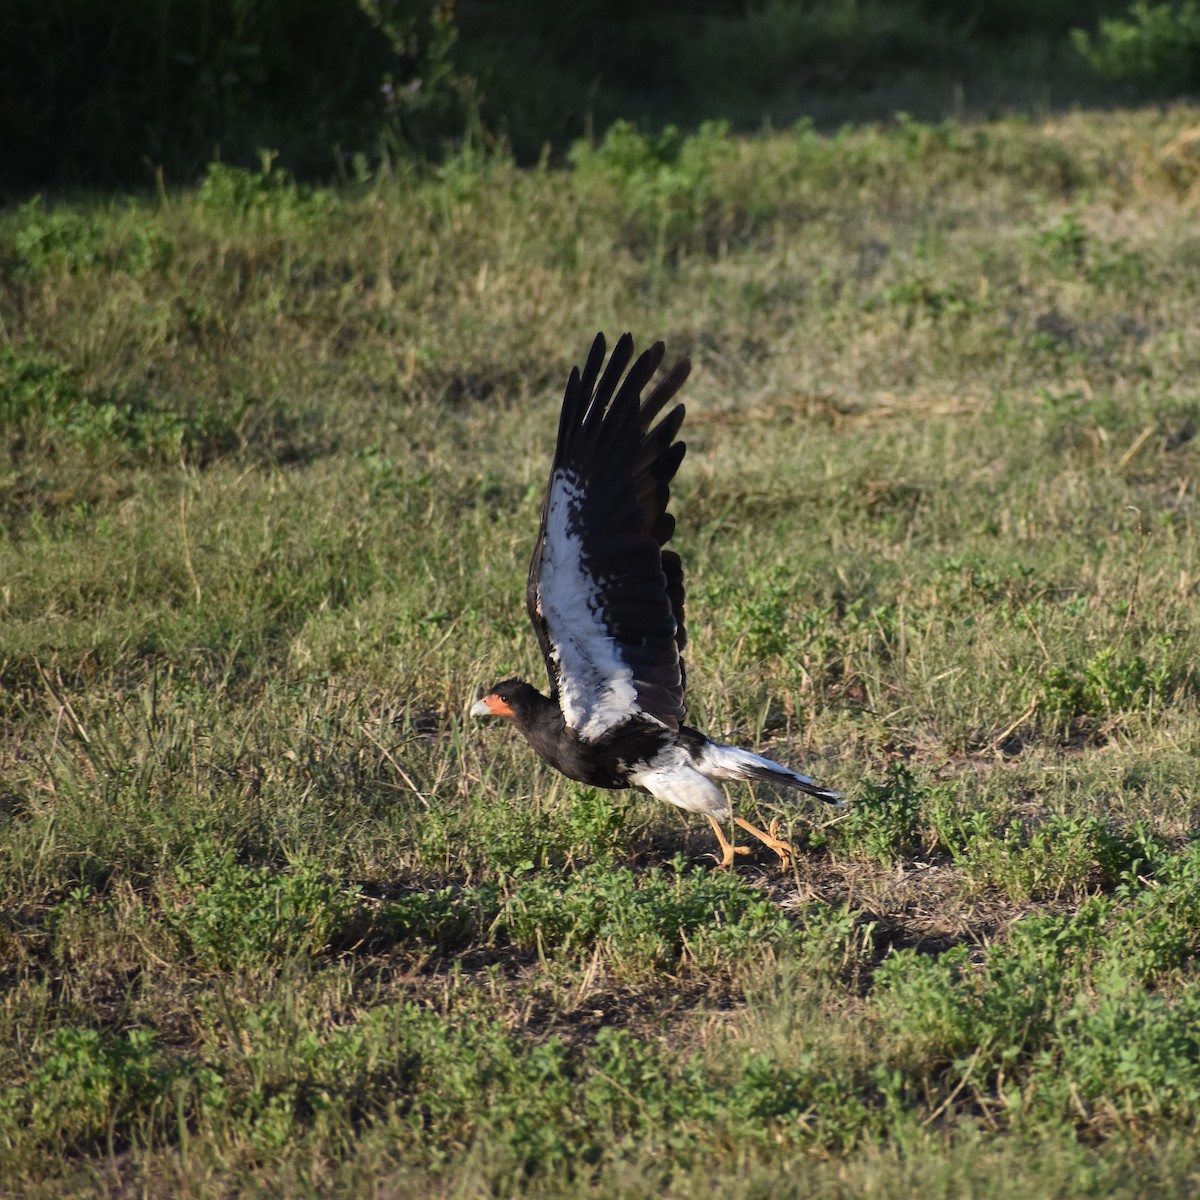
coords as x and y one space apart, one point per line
503 697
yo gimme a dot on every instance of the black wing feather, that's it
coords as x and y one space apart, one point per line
611 479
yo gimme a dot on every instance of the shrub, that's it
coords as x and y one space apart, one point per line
663 182
1158 46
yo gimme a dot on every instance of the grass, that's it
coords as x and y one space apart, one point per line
274 916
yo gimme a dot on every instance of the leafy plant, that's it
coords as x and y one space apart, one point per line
56 240
1127 1050
48 240
41 400
236 917
652 921
1157 45
34 386
267 198
664 183
89 1083
885 820
1061 856
1107 683
1066 241
921 297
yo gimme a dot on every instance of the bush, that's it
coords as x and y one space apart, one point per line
1157 47
103 94
663 184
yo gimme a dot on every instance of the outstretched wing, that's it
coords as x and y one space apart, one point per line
605 598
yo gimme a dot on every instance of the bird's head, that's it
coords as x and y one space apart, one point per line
513 698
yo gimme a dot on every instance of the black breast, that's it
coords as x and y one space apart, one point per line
605 763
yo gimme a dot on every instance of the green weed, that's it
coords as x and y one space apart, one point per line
42 402
235 917
1157 45
89 1085
663 183
47 240
1061 856
643 924
885 822
266 200
1105 685
1066 241
34 386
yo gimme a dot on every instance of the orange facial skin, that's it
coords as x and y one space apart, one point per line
492 706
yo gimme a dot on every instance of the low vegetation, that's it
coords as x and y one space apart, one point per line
274 916
138 95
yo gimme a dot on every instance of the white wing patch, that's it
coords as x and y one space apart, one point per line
596 686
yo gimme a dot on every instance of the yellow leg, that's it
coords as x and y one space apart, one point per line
728 849
782 848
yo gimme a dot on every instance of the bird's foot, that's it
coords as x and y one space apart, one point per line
725 860
769 837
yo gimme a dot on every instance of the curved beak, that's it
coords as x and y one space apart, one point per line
480 709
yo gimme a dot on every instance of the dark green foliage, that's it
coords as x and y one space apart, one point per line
884 822
645 923
235 917
1156 46
89 1083
264 201
97 94
661 184
47 241
33 387
1059 1022
139 90
1066 241
1055 857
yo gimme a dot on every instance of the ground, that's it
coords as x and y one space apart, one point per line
277 916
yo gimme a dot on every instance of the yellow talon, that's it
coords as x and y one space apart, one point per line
728 849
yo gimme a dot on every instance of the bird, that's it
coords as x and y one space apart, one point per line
606 599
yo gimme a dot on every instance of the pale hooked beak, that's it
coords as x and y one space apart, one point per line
492 705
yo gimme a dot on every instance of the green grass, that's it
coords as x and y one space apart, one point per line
274 916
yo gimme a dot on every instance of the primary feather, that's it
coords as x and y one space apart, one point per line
605 599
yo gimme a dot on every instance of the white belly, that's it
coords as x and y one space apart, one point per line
672 776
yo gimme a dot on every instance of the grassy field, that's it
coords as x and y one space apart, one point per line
274 918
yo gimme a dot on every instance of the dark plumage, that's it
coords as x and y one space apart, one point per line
607 604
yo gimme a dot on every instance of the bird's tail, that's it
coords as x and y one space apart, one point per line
731 762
